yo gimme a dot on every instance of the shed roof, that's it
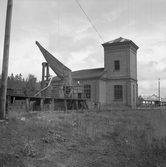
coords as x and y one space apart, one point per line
88 73
85 74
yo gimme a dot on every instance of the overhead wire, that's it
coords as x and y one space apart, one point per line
117 21
117 25
90 21
58 28
128 17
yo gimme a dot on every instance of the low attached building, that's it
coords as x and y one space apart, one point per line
115 84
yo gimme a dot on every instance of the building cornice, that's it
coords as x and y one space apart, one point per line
106 45
121 78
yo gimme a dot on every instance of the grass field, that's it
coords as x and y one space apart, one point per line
116 138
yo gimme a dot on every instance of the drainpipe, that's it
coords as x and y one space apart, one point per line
45 87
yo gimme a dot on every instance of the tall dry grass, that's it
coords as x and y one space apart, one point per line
135 138
138 136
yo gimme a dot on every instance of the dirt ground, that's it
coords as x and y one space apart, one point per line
135 138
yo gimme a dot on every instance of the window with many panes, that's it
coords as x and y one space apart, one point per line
118 92
87 91
116 65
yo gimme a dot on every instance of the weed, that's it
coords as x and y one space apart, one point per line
14 115
30 147
116 138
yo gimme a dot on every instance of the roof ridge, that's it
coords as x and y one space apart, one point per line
89 69
118 40
87 73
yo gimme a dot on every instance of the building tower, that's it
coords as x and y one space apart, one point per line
120 61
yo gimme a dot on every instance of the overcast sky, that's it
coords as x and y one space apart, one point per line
61 27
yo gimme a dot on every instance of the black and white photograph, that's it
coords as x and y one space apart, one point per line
82 83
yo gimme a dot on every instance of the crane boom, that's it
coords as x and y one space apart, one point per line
59 68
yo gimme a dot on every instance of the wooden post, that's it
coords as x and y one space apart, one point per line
5 60
65 104
76 104
8 99
14 100
41 104
52 104
27 105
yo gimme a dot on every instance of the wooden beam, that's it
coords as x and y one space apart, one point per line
5 60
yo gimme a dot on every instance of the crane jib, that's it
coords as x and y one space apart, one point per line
59 68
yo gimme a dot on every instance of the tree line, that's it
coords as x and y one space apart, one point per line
30 87
19 77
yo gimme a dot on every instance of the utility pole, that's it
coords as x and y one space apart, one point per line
159 89
5 60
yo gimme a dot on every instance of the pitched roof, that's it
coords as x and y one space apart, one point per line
88 73
119 41
85 74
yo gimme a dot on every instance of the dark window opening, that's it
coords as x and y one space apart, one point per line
117 64
118 92
79 95
87 91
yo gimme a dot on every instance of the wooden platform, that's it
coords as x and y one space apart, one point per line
53 103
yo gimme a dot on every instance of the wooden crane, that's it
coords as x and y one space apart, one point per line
63 72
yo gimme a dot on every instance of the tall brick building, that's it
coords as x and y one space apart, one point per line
116 83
